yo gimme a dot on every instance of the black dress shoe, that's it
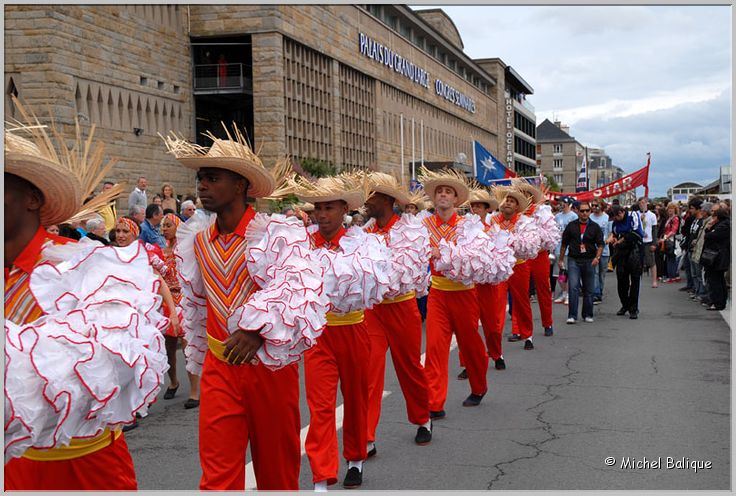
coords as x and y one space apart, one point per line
514 338
437 415
621 311
528 345
372 452
634 315
473 399
424 435
500 364
170 393
462 375
353 478
191 403
130 427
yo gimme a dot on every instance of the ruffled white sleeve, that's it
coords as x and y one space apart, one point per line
476 257
549 231
357 276
193 302
94 359
410 253
290 308
526 238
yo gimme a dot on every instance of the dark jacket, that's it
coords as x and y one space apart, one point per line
98 238
592 239
719 238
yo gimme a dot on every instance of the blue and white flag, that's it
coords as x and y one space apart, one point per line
487 167
582 183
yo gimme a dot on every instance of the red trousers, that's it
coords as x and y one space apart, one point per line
491 300
397 326
521 307
249 403
109 469
455 312
341 354
539 269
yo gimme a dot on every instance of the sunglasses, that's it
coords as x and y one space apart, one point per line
583 210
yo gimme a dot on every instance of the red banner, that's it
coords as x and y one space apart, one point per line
626 183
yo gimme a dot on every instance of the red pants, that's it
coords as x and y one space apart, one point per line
249 403
397 326
490 299
109 469
539 268
341 354
451 312
521 307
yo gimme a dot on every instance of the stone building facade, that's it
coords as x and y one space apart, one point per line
331 82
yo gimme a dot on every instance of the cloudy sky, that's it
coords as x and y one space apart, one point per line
630 79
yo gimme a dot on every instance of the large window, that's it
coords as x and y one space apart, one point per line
557 164
558 148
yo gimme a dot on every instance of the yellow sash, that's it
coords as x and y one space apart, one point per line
519 261
77 448
216 347
350 318
444 284
400 298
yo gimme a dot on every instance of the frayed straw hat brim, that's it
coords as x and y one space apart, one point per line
430 185
261 182
523 201
354 199
60 189
401 197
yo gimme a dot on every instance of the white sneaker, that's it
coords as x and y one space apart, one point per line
567 301
560 299
588 319
570 320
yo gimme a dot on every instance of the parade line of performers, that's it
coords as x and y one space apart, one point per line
254 294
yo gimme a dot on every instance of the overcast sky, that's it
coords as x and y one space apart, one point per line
630 79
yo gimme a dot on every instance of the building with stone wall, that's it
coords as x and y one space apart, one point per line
346 84
559 155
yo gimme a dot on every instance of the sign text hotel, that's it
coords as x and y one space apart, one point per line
393 60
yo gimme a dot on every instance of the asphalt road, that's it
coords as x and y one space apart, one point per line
638 391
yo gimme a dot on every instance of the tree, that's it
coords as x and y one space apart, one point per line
553 186
317 168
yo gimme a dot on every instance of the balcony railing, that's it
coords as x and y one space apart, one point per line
220 78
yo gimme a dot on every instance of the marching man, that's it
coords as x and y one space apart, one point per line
83 336
396 324
356 277
253 303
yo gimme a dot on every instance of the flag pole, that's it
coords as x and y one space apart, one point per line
475 168
401 139
646 183
421 141
413 156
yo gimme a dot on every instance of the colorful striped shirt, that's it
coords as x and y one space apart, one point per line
318 241
438 230
375 229
20 305
503 223
221 259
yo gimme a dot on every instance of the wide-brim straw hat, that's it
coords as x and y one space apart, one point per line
306 207
380 182
232 154
34 158
418 199
350 187
482 195
528 189
521 198
431 180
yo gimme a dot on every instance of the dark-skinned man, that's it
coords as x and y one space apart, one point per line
512 203
395 324
343 351
452 307
247 357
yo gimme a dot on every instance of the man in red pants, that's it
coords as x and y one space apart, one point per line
539 266
342 352
243 401
512 203
483 204
395 324
452 307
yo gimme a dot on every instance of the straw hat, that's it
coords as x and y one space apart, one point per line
482 195
418 199
503 191
306 207
535 194
351 187
232 154
446 177
389 185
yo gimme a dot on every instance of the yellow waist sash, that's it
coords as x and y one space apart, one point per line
444 284
77 448
400 298
349 318
216 347
519 261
